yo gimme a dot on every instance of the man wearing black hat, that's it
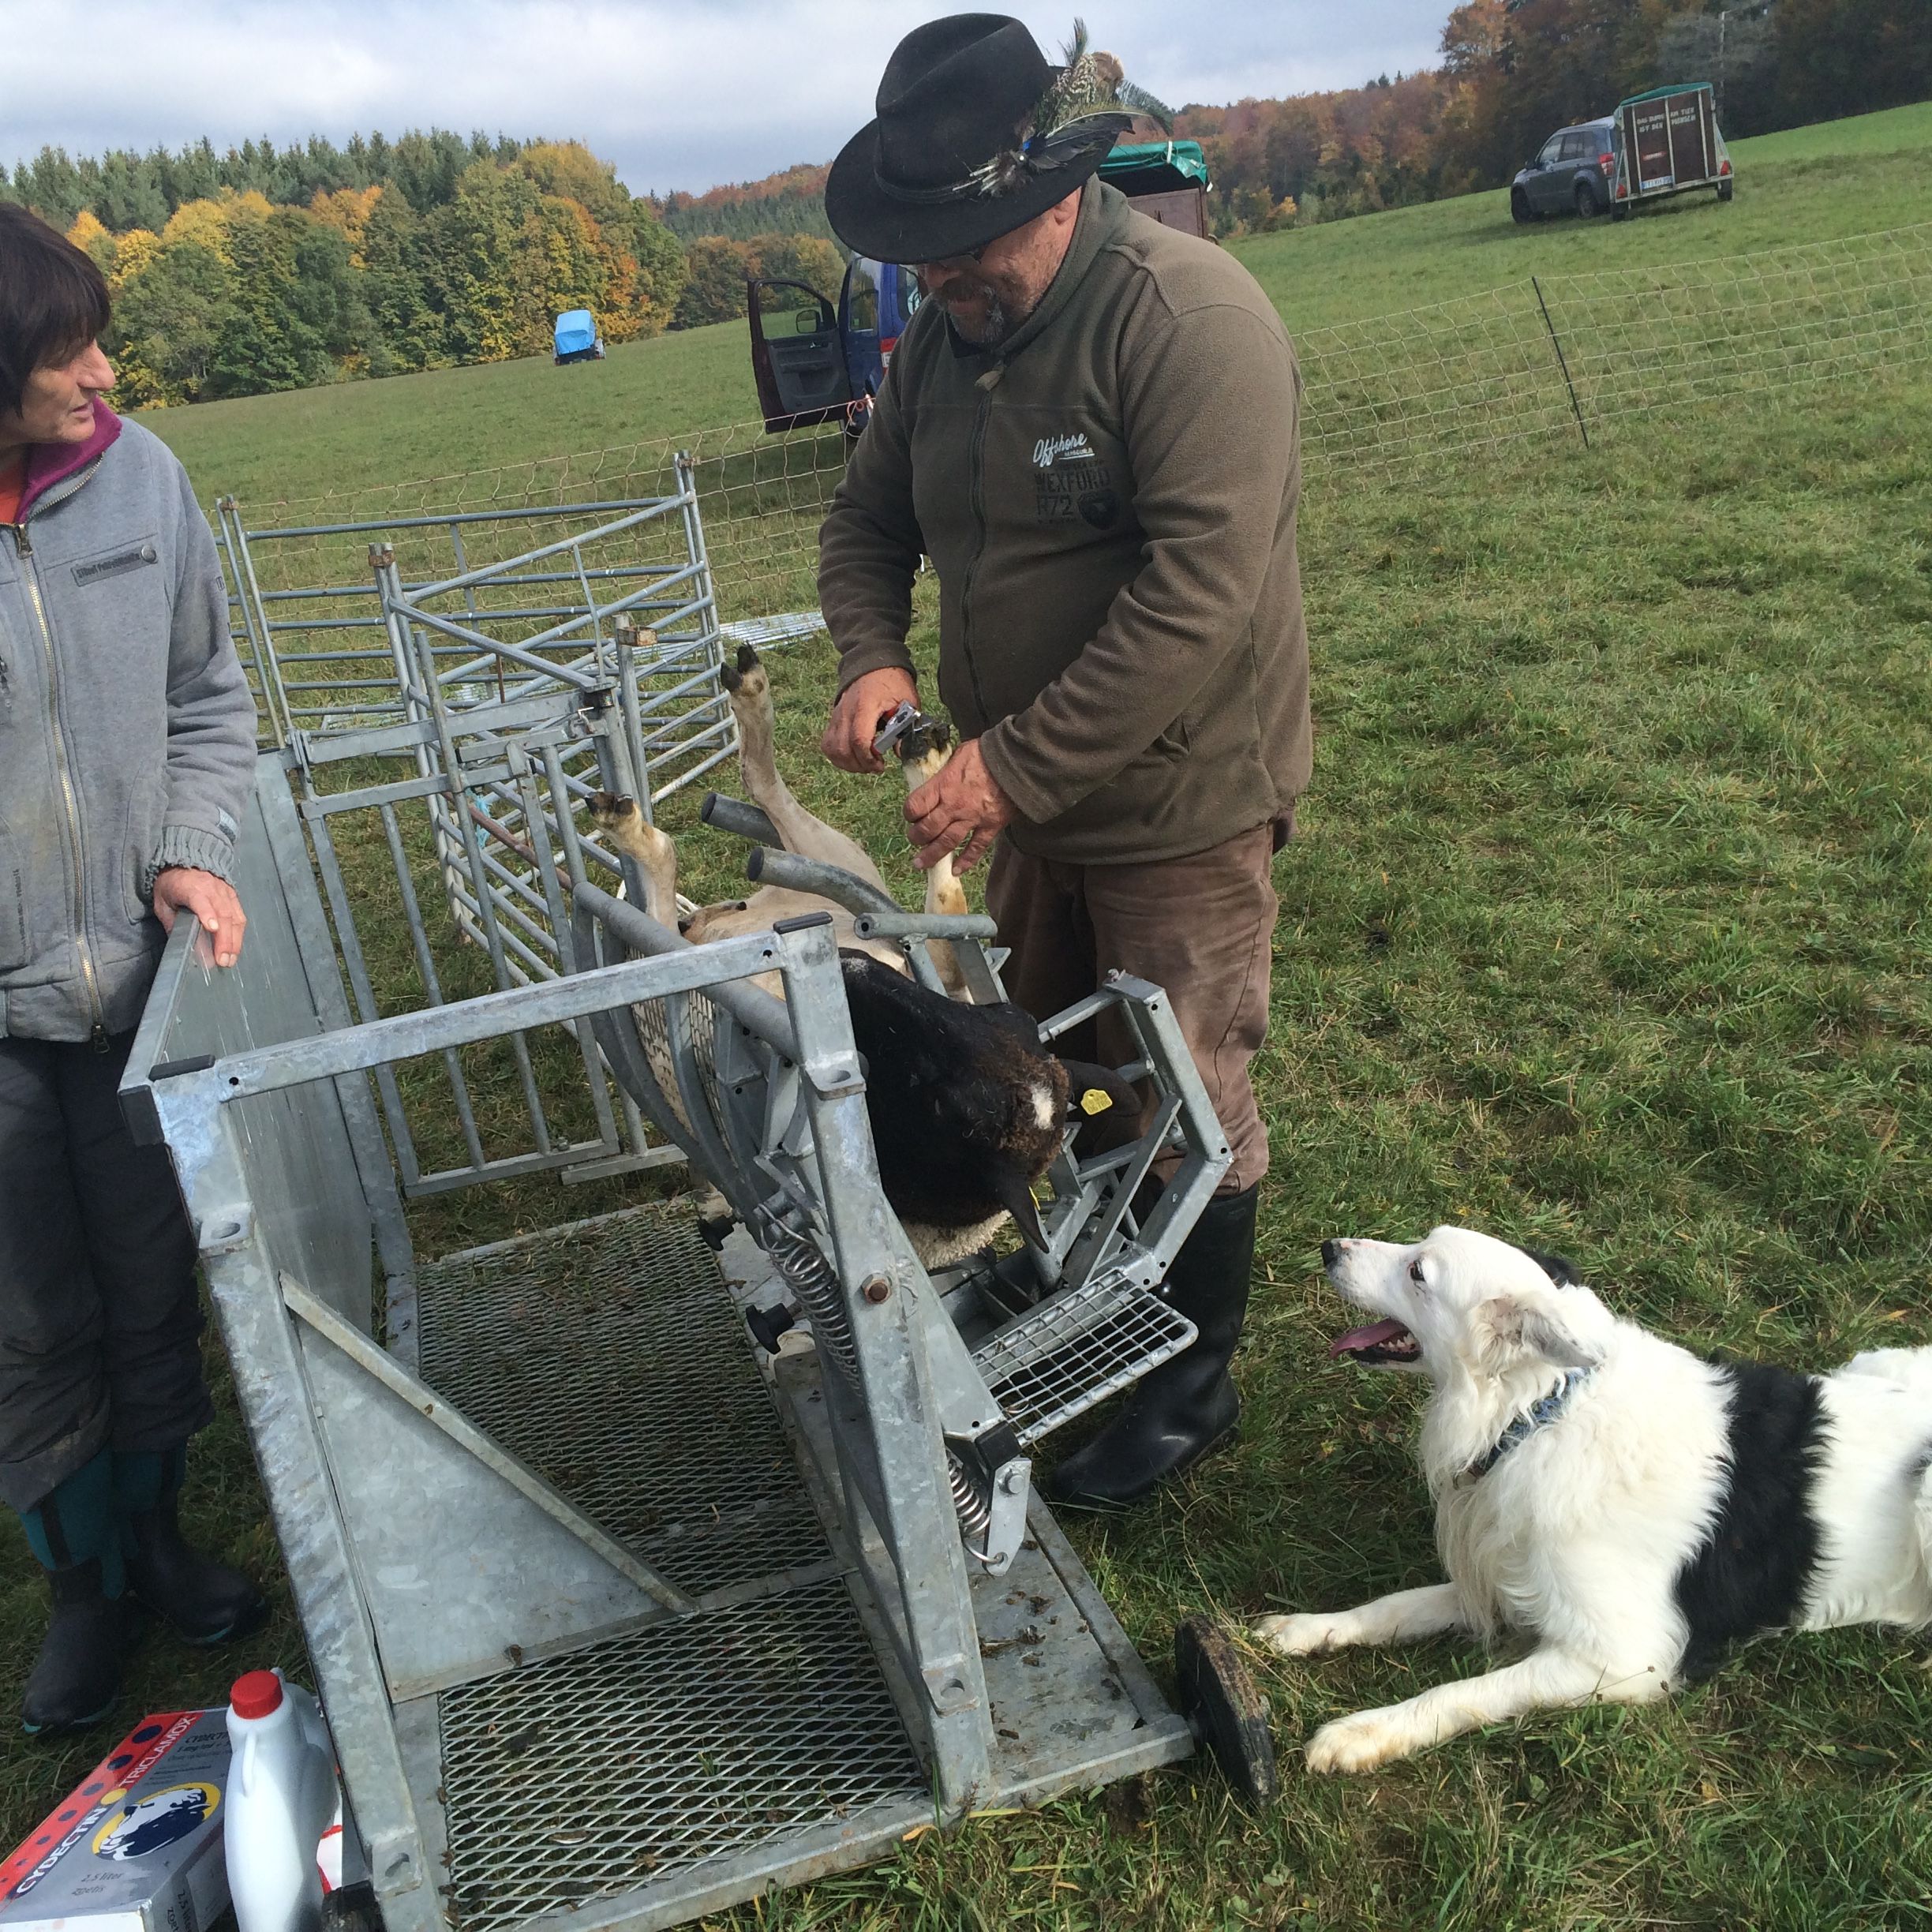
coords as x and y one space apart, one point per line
1090 426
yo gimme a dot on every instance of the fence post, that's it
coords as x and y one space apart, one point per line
1576 407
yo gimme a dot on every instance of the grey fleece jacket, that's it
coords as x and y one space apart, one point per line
127 731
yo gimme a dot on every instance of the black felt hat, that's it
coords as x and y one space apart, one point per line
977 133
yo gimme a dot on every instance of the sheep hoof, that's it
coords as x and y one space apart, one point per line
612 810
750 680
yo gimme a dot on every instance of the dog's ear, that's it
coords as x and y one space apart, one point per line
1533 1325
1560 1268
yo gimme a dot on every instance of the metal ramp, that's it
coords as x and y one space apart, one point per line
614 1615
576 1348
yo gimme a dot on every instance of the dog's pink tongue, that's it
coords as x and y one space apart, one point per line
1373 1337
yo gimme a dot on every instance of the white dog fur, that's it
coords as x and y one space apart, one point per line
1660 1508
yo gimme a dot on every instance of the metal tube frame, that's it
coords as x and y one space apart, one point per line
775 1103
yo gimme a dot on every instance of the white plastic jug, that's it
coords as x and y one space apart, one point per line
282 1798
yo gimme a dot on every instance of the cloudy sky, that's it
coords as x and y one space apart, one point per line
679 93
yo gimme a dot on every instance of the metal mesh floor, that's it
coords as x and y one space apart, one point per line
1077 1349
595 1773
608 1356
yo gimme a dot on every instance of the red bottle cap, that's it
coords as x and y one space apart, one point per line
256 1694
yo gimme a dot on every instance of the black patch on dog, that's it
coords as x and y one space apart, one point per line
1563 1272
1751 1573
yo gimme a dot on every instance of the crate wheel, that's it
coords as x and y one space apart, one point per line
1224 1709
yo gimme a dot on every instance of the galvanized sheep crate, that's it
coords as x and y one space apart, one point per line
617 1618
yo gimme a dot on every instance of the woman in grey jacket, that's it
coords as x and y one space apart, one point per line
127 749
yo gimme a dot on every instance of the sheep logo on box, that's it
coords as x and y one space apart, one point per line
160 1819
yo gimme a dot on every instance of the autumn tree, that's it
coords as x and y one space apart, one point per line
167 320
1847 57
716 290
405 330
805 258
294 315
347 209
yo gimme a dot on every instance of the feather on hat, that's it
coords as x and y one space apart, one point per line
1091 102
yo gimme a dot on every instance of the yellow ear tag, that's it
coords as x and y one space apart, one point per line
1095 1100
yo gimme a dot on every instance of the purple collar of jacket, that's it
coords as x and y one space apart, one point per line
52 463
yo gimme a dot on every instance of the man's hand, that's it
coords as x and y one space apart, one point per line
187 889
961 811
864 704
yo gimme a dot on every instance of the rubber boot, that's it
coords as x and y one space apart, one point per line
77 1677
1187 1407
208 1602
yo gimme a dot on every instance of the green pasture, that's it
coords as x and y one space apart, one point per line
1605 930
1815 183
1850 177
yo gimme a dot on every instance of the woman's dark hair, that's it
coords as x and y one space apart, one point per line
54 301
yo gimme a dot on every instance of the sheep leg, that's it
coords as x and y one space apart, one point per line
749 689
944 893
621 822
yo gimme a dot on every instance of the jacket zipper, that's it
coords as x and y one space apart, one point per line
98 1036
975 470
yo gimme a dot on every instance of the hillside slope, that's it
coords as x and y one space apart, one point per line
1847 177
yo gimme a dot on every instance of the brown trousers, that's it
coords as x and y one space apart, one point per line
1201 926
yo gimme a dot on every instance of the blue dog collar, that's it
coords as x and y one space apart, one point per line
1538 1415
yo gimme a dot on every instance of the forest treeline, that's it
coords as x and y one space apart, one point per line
267 268
790 203
1513 70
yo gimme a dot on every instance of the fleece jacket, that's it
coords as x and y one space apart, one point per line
1108 497
127 731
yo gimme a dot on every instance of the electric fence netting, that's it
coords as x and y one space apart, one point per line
1565 355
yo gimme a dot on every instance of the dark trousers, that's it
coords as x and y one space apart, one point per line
1201 926
99 1319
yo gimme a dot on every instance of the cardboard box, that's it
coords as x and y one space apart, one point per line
137 1847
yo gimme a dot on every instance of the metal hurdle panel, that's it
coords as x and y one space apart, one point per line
542 601
393 845
569 648
546 581
590 1642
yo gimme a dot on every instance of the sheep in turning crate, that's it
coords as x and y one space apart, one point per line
968 1108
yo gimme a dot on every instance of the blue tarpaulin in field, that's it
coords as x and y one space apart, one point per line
576 331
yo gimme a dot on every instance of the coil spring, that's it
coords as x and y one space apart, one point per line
810 1277
973 1507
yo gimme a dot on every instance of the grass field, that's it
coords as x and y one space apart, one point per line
1856 178
1605 930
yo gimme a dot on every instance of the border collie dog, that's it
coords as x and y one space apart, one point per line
1628 1507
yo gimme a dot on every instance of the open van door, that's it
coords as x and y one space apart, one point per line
797 358
813 360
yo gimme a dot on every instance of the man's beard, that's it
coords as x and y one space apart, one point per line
993 326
